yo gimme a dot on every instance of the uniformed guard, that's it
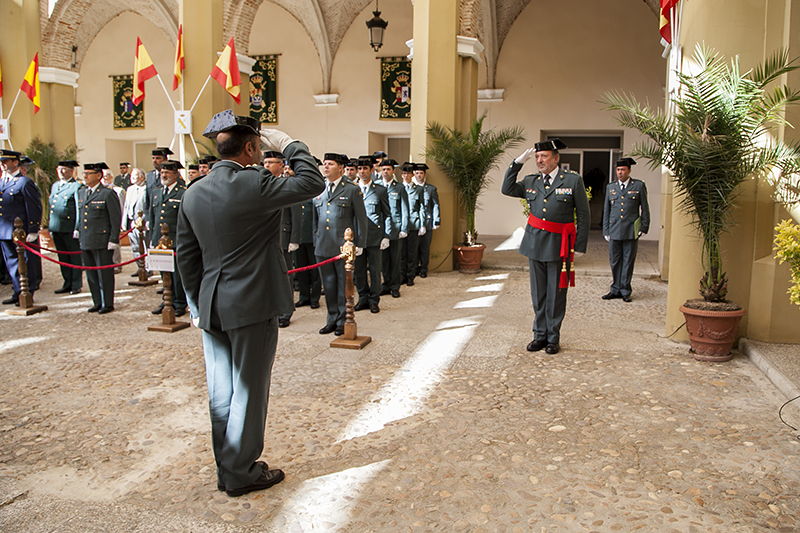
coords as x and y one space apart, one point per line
158 156
123 179
339 207
350 170
98 233
308 282
164 206
397 229
416 225
556 198
430 201
64 222
192 172
626 217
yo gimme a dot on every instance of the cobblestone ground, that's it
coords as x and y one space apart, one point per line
443 423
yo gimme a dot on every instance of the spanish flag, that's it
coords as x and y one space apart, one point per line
1 83
665 19
179 62
30 84
143 70
226 72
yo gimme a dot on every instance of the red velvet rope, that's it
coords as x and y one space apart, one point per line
121 235
310 267
33 251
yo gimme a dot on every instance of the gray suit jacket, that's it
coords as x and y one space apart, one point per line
621 211
228 243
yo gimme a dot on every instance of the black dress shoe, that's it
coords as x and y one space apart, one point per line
180 312
423 274
314 305
329 328
6 281
373 308
262 464
62 290
157 310
267 479
626 299
410 282
552 349
302 304
384 292
339 331
135 274
535 346
10 301
283 322
360 306
75 291
160 291
104 310
395 293
611 296
94 309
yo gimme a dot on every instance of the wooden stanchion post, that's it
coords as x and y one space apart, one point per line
143 275
26 307
168 322
350 339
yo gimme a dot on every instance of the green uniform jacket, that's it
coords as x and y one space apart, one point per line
164 210
333 214
620 211
63 216
100 217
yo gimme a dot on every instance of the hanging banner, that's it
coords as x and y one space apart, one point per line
395 88
126 115
264 89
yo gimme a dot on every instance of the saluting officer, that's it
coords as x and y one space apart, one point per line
164 206
430 201
98 232
626 217
556 197
397 228
64 222
341 206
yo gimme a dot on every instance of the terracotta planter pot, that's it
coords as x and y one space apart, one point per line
469 258
711 333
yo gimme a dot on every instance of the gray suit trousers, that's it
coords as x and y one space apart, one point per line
622 255
549 302
238 371
101 282
334 280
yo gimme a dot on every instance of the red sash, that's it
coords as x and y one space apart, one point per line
568 235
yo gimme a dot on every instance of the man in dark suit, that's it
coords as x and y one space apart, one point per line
341 206
164 206
397 228
376 204
230 259
64 222
556 197
98 232
124 178
626 217
430 203
19 197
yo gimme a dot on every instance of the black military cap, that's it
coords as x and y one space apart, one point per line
227 121
171 165
406 167
336 158
161 152
194 167
550 144
25 160
421 166
99 167
626 162
212 158
317 159
273 153
180 165
352 163
364 161
6 155
202 161
71 163
125 163
388 163
379 155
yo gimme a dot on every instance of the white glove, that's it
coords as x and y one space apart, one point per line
525 157
607 238
359 251
76 234
32 237
384 243
435 226
113 246
422 231
275 139
293 246
578 254
196 321
403 234
640 234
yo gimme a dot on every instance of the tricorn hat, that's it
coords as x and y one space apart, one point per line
227 121
421 166
626 162
273 153
388 163
550 144
99 167
407 167
337 158
71 163
171 165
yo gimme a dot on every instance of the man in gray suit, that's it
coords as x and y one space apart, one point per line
230 259
626 217
556 197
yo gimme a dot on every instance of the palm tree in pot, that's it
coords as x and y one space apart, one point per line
467 158
711 144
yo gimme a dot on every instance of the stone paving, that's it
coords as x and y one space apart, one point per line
443 423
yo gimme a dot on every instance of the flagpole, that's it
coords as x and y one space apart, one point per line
191 136
13 106
165 91
198 96
1 118
183 136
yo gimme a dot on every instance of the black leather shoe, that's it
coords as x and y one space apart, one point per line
626 299
135 274
6 281
395 293
160 291
283 322
423 274
410 282
360 306
157 310
180 312
62 290
75 291
314 305
384 292
267 479
10 301
535 346
104 310
611 296
373 308
339 331
263 464
94 309
329 328
552 349
302 304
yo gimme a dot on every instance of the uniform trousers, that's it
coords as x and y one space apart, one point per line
287 257
11 259
369 260
101 282
238 371
549 301
424 252
65 242
622 255
333 279
178 294
390 265
408 262
133 237
308 282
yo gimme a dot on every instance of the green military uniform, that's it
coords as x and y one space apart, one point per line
164 207
309 284
62 225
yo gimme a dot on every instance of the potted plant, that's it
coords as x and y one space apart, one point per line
711 144
467 158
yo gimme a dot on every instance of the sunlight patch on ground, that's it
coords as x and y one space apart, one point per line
16 343
485 301
493 287
493 277
513 242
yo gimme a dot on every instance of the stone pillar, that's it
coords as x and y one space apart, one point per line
58 98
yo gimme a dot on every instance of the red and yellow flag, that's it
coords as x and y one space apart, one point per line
665 19
179 61
30 84
143 70
226 72
1 83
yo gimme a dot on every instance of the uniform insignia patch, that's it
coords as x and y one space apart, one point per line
564 190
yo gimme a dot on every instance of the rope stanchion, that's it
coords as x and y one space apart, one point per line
23 244
168 323
40 247
142 274
311 267
351 339
25 306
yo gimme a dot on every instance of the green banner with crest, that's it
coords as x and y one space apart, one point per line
264 89
395 88
126 115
